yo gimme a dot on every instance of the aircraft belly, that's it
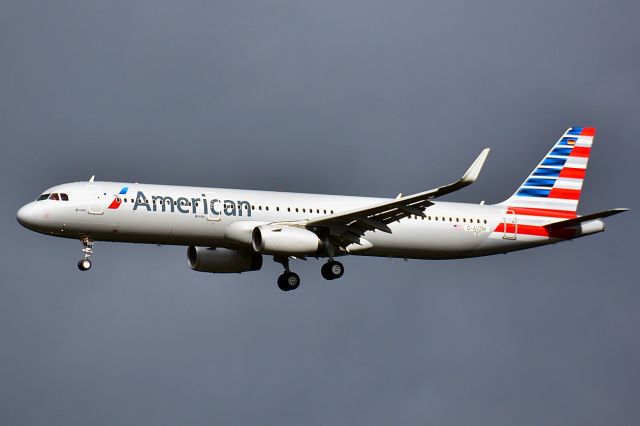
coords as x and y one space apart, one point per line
420 241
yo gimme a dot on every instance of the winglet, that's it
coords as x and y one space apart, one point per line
473 172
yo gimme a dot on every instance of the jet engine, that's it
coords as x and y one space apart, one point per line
288 240
222 261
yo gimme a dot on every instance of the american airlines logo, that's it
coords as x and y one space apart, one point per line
193 205
118 198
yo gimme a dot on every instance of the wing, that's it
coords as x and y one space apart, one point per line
347 227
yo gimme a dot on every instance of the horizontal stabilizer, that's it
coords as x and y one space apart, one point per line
586 218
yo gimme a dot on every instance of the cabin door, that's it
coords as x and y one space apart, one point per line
510 225
96 201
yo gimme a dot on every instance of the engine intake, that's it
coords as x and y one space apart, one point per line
222 261
274 239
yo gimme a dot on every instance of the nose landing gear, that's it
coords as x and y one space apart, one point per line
87 248
84 264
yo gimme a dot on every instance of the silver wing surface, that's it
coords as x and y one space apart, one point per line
347 227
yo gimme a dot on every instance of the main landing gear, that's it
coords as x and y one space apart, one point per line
331 270
87 248
288 280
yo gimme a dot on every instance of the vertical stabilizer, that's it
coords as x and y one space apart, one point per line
553 188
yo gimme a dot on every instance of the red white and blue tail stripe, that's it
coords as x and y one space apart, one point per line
552 190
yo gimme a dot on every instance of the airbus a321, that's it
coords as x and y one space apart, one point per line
230 230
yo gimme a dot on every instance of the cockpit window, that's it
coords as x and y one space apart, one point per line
43 197
54 196
64 197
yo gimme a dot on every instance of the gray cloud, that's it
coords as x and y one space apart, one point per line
369 98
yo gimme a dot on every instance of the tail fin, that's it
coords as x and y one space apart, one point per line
554 186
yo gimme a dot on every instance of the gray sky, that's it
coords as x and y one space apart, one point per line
356 97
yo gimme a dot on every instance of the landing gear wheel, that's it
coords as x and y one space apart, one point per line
288 281
87 248
84 264
332 270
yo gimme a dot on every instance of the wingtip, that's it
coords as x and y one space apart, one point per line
474 170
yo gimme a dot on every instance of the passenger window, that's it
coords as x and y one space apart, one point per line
54 196
296 210
325 211
288 209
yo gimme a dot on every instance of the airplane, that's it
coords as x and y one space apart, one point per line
230 230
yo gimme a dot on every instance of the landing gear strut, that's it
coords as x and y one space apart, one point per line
87 248
288 280
332 270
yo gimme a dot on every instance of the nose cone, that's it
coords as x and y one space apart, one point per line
28 216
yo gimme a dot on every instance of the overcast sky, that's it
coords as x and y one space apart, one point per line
346 97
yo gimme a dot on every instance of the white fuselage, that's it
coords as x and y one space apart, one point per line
163 214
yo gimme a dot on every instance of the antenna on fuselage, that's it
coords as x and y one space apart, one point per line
92 178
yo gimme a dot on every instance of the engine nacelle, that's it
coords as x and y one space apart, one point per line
239 233
222 261
287 240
